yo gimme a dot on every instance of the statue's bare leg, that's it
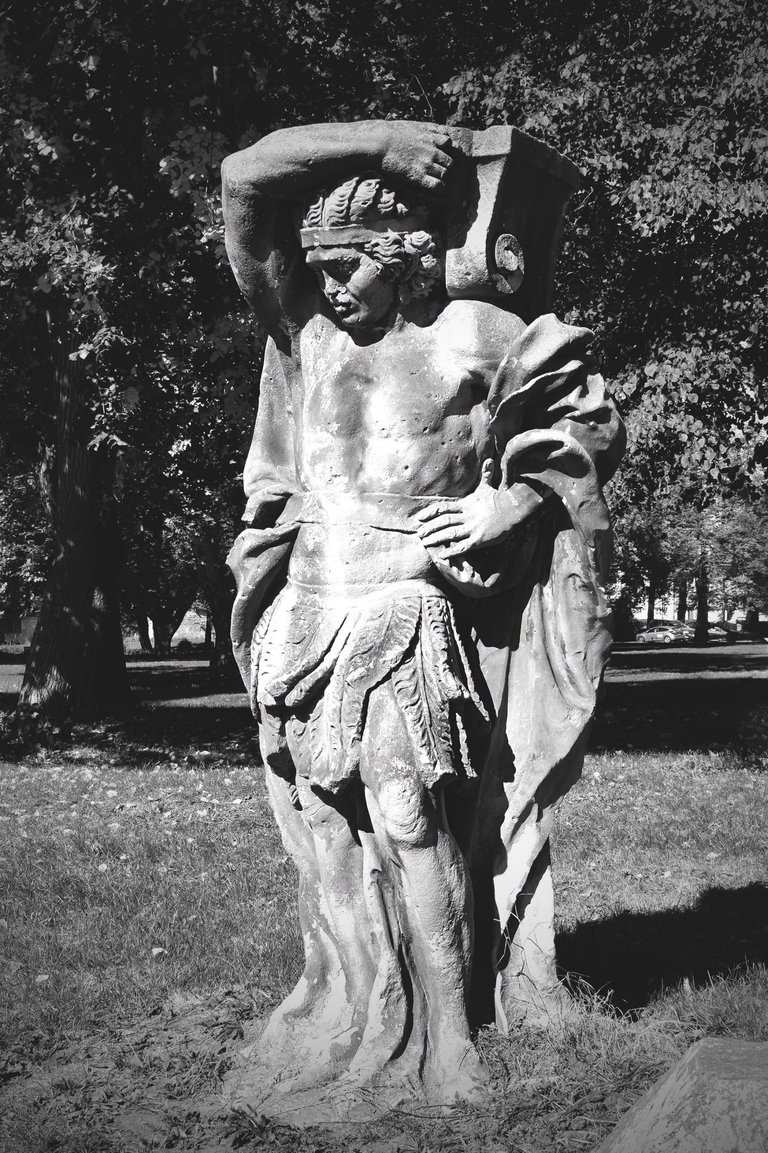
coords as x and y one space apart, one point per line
436 896
322 967
292 1050
293 1046
340 877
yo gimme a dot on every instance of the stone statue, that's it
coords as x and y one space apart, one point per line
420 619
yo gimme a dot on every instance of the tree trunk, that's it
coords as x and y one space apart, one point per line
76 666
219 593
702 604
179 610
652 594
682 598
167 618
162 627
107 690
142 627
222 662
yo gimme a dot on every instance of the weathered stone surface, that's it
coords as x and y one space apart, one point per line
715 1100
420 620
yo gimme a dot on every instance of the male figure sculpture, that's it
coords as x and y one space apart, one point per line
420 619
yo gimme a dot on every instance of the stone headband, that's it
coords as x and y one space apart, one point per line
355 233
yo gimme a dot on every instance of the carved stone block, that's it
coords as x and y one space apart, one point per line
715 1100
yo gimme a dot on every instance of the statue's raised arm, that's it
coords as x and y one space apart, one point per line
263 188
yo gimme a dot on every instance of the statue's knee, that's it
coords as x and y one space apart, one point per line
407 812
319 815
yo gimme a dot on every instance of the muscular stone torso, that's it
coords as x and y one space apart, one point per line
403 415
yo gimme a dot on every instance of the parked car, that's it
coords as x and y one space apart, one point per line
720 632
682 628
660 634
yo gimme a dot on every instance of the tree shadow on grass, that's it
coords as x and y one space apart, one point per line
634 659
204 727
633 956
654 701
682 713
191 680
152 736
13 654
687 710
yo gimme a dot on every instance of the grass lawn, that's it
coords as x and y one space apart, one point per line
148 921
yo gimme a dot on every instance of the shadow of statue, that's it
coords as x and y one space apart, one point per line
633 956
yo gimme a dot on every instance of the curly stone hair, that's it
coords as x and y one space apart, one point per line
410 258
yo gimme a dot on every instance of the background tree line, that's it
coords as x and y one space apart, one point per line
129 366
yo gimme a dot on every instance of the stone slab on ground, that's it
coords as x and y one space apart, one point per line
715 1100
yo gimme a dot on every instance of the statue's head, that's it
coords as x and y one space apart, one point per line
371 249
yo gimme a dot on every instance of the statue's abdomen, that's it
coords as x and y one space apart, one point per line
347 555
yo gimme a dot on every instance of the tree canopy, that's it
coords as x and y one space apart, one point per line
123 336
663 107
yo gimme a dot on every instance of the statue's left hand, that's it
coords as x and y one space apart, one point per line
484 517
417 153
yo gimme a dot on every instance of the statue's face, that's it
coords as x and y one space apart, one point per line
353 284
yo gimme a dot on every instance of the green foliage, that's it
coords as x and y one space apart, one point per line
110 232
728 539
114 120
25 544
670 538
664 110
642 558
